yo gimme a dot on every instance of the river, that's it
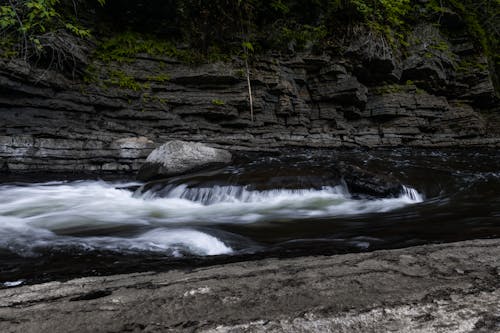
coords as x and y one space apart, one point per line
63 226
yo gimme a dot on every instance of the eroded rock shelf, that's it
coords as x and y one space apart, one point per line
433 288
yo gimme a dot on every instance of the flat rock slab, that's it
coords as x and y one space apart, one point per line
435 288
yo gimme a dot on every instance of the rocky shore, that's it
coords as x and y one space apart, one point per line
433 288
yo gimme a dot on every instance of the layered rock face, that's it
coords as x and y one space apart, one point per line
367 96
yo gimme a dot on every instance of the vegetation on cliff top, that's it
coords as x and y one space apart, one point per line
194 31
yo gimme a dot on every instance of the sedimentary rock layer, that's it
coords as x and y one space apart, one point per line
364 96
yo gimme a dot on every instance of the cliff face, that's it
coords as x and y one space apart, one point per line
438 93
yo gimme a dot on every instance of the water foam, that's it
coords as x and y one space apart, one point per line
42 215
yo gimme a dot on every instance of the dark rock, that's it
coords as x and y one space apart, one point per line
344 89
4 167
178 157
363 182
427 71
377 62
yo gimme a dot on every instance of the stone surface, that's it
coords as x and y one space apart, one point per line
434 288
363 182
178 157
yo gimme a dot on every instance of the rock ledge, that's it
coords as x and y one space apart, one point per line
435 288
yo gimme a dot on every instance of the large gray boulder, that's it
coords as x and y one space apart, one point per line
178 157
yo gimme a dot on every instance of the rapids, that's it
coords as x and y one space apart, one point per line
260 206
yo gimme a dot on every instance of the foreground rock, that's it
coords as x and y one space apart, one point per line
436 288
178 157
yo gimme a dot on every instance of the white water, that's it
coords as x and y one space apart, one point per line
41 216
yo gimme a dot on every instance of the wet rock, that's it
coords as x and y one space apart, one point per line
178 157
363 182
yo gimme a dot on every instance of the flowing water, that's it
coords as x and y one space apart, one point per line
261 206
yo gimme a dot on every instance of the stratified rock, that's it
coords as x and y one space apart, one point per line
371 95
178 157
133 147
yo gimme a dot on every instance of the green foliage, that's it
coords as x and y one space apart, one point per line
280 7
394 11
77 30
302 35
125 46
195 31
247 46
27 21
482 18
34 17
7 17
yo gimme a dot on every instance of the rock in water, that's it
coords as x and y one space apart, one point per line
363 182
178 157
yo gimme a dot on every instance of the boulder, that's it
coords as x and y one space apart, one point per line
179 157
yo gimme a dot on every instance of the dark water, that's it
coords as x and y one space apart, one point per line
287 205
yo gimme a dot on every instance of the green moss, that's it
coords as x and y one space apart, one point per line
390 89
408 86
469 66
121 79
160 100
240 73
440 46
159 78
126 46
218 102
148 98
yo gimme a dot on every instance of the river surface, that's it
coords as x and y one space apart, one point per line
58 227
